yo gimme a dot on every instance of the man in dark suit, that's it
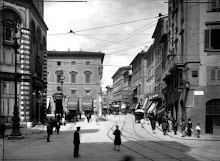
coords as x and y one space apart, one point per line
76 142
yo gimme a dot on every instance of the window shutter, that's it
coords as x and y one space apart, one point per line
218 74
206 47
212 74
214 2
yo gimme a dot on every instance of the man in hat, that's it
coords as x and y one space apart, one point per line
76 142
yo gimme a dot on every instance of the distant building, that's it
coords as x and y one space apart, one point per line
24 20
118 86
109 96
74 73
139 76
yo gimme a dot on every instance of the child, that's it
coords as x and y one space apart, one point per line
142 123
198 129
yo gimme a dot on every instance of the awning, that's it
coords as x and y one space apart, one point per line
133 106
152 107
72 106
86 106
145 103
159 108
48 102
136 106
139 110
148 105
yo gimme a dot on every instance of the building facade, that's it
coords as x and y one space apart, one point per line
118 86
192 66
74 73
139 76
24 64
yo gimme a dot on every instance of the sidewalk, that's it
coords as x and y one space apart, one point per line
203 137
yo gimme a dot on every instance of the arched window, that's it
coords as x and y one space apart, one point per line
73 76
87 75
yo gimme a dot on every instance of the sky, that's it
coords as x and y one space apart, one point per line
119 28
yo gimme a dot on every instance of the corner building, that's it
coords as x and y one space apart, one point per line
23 19
192 69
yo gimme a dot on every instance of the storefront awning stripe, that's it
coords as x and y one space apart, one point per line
145 103
152 107
48 102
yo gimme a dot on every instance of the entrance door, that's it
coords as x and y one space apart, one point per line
209 124
212 115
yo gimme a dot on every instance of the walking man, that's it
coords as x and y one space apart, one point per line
2 129
76 142
48 131
183 128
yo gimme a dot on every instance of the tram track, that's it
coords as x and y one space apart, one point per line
135 151
141 145
165 145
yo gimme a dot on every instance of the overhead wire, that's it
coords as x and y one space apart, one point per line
95 28
105 40
184 8
124 37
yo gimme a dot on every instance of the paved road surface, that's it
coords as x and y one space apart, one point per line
97 145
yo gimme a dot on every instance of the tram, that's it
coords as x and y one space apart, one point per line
139 114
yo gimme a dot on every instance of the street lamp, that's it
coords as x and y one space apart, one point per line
62 95
15 119
40 100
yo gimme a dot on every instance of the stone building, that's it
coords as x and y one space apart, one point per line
74 73
156 55
21 22
118 86
139 76
193 63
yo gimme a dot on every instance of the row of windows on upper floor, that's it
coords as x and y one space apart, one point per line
73 76
59 63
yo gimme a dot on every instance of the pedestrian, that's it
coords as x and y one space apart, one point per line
160 119
142 122
170 123
80 115
58 126
51 123
76 142
48 131
183 128
117 141
189 127
198 129
63 121
88 117
2 129
165 126
152 118
175 126
97 119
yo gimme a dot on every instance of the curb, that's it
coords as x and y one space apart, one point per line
184 138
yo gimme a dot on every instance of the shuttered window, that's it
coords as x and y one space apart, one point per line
206 39
214 5
73 78
212 40
218 74
215 74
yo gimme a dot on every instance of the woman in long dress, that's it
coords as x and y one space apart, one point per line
117 141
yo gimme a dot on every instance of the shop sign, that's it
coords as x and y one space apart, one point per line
198 93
